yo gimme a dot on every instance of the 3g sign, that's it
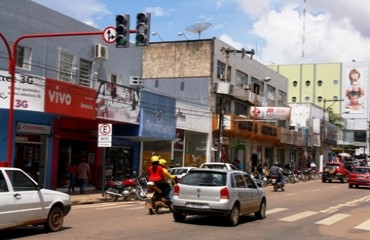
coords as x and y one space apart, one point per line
20 103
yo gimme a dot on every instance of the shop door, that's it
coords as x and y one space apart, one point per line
30 155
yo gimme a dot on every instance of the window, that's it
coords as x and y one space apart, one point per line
240 108
239 181
308 83
66 66
294 99
182 86
241 78
156 83
256 84
221 71
282 98
319 83
319 99
85 70
23 58
295 83
270 93
307 98
335 81
20 181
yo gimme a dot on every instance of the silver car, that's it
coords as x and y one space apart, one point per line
218 192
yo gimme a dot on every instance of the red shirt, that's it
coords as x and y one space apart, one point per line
156 176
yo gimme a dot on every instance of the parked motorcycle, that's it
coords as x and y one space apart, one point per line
132 188
276 183
155 199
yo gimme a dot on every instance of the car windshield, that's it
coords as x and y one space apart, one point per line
200 178
361 170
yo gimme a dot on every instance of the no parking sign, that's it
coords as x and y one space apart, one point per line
105 135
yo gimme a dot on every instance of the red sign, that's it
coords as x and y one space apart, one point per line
69 99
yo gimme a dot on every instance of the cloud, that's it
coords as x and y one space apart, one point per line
323 38
156 11
87 11
225 38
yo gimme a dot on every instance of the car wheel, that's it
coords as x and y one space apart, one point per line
261 214
344 179
179 217
110 197
323 180
55 220
234 216
350 185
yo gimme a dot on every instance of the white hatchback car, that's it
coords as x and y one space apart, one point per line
25 202
218 192
179 172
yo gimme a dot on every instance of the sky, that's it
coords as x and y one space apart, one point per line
280 31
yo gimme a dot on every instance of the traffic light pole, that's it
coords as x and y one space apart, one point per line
12 54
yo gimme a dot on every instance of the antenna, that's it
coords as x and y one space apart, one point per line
303 28
198 28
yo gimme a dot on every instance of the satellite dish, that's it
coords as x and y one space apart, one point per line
198 28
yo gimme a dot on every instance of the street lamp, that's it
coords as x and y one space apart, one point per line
182 34
265 80
157 34
323 125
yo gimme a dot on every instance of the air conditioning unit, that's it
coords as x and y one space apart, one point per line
246 86
100 51
135 81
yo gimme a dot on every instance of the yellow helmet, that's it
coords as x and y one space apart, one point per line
162 161
154 159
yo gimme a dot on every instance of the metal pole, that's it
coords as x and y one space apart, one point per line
220 130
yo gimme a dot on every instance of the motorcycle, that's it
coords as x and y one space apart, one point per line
132 188
276 183
155 199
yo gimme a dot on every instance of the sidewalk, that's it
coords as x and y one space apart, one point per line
87 198
91 196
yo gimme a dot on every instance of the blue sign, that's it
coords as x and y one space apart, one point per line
157 116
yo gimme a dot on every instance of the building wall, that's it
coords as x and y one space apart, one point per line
177 59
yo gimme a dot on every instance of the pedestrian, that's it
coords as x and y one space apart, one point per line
72 171
83 174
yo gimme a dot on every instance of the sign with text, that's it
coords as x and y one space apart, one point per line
105 135
28 92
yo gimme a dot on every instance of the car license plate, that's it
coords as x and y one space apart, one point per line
197 205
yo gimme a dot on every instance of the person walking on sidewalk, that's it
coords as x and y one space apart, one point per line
83 174
72 171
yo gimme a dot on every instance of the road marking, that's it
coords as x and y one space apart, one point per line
364 226
332 219
275 210
298 216
292 194
136 208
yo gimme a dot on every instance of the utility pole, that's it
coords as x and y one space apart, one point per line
227 52
323 124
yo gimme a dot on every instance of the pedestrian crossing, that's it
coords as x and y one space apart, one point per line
327 220
327 217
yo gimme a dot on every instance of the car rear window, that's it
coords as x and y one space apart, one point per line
204 178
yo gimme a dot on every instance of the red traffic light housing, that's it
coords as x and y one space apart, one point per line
142 29
123 31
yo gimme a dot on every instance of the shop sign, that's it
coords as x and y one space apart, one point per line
33 128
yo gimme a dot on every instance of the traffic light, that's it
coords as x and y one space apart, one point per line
142 29
123 31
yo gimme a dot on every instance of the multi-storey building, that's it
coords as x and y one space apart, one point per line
330 85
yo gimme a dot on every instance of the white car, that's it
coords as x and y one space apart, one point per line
179 172
25 202
218 192
218 165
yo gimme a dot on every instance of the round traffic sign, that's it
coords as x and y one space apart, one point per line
109 34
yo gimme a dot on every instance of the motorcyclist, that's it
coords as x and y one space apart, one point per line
276 170
170 179
156 173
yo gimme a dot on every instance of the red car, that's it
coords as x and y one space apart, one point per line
335 171
359 176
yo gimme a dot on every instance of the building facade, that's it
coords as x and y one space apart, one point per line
330 85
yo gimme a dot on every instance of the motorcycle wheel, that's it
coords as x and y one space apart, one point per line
110 197
141 193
